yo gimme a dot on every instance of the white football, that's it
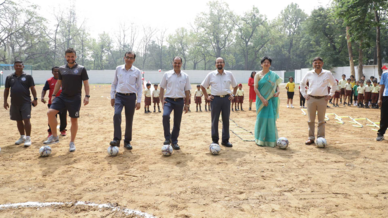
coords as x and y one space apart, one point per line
214 148
167 150
321 142
282 143
113 150
44 151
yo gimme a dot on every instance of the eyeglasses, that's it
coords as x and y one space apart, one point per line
130 58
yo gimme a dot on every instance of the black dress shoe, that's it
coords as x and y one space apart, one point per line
127 145
167 142
227 144
115 143
175 146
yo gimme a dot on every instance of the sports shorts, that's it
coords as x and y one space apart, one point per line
71 104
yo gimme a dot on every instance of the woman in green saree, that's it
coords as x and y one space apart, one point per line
267 105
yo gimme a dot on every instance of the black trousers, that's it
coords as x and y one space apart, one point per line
129 102
302 100
384 116
177 107
62 117
220 106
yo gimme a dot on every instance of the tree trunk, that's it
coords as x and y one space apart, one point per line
351 62
360 61
378 51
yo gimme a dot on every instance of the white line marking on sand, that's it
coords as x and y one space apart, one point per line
79 203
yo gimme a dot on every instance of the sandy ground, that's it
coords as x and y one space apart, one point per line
346 179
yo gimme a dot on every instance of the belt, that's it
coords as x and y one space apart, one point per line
221 96
317 97
126 93
175 99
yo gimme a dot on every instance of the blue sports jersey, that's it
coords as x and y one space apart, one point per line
384 81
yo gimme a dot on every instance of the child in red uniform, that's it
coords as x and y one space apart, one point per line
367 93
50 85
155 97
348 91
240 97
198 97
147 100
360 96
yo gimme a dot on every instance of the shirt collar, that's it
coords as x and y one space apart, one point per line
23 74
75 66
173 72
130 69
218 73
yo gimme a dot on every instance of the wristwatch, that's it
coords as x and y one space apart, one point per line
88 96
53 95
35 99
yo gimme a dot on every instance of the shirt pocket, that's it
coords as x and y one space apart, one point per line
214 84
226 84
132 79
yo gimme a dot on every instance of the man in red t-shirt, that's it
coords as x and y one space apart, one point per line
50 85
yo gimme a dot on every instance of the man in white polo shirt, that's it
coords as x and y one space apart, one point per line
220 81
317 96
177 86
126 92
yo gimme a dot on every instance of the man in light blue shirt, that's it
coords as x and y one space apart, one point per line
383 103
126 92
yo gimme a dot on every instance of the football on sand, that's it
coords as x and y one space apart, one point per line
167 150
113 150
282 143
321 142
44 151
214 148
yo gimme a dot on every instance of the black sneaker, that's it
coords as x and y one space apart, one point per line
115 143
227 144
127 145
167 142
380 138
175 146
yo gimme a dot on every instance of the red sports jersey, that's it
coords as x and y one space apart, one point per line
51 85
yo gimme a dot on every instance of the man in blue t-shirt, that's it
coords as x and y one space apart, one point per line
383 103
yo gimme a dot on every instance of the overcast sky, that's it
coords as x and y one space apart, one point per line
171 14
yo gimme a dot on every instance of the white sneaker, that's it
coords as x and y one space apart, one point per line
72 147
292 106
288 106
20 140
27 142
51 140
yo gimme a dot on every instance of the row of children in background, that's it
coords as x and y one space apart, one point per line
197 98
364 94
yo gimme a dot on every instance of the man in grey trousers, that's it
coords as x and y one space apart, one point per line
220 81
126 92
